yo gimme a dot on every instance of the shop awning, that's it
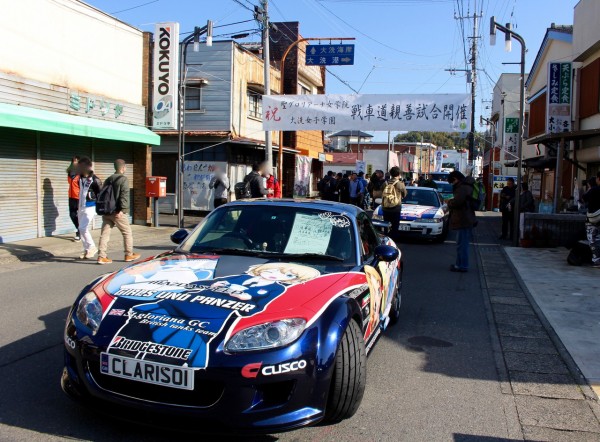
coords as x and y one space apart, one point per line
22 117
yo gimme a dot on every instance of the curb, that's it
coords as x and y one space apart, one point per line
587 391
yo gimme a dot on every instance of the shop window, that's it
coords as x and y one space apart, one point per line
254 104
537 116
589 89
193 96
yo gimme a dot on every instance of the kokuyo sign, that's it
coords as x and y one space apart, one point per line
165 78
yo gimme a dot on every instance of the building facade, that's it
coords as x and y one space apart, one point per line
79 95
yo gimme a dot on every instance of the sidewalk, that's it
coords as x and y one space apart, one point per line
569 298
44 248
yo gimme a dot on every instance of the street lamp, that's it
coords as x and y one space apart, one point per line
509 35
195 38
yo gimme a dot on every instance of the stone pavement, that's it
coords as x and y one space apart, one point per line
44 248
552 400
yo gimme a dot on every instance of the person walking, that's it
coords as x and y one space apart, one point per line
273 186
120 188
462 218
506 196
592 226
391 201
326 187
73 180
220 183
89 188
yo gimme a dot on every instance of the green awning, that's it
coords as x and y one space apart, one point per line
22 117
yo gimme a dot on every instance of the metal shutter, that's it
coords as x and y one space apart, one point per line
18 194
105 153
56 152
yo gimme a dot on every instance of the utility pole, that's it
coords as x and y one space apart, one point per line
262 15
473 77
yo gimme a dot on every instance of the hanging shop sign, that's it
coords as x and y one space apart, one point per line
408 112
165 77
558 106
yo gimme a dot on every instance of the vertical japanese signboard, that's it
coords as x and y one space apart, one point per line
165 77
511 134
558 106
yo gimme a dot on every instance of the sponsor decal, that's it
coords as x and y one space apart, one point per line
166 70
116 312
252 370
336 220
143 348
147 371
358 291
70 342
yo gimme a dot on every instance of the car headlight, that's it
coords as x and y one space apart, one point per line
89 311
431 220
267 335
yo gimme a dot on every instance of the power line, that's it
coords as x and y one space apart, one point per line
134 7
243 5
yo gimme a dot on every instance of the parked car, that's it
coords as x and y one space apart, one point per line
424 214
261 318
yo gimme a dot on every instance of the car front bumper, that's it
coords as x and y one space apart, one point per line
420 229
223 397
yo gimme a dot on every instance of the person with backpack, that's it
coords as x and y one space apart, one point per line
356 190
113 205
391 200
253 182
273 186
89 189
73 180
220 183
462 218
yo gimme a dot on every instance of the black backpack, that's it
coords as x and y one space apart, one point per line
106 202
242 190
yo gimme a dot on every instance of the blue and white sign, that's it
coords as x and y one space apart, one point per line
329 55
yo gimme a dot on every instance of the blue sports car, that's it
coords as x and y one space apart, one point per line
261 319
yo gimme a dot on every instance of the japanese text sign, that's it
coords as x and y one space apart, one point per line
323 55
408 112
166 72
558 114
511 129
500 182
196 177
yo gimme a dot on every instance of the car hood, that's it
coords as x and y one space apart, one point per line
190 304
412 212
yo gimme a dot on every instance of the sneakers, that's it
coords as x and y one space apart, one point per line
91 253
77 237
104 261
132 257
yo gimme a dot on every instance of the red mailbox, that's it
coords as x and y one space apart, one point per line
156 186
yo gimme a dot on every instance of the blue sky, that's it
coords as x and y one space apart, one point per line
402 46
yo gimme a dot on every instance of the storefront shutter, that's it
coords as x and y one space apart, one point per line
18 192
56 153
105 153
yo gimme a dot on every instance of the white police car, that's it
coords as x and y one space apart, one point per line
424 214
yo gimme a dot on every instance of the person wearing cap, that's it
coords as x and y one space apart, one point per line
462 218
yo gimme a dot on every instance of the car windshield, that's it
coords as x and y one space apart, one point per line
421 197
275 231
444 186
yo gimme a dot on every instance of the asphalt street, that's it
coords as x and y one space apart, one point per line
432 377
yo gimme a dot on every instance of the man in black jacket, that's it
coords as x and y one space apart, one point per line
257 186
506 196
120 219
592 198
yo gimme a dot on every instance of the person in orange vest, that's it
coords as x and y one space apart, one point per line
73 180
273 185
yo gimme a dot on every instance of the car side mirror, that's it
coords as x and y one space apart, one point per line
179 236
386 253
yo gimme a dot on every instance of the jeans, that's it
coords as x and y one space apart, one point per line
593 236
463 239
85 217
122 223
74 211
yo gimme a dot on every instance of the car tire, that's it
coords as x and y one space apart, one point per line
349 375
397 301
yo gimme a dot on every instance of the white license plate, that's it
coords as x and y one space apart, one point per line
404 227
147 371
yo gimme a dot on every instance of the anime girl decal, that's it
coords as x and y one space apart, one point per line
376 290
192 318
